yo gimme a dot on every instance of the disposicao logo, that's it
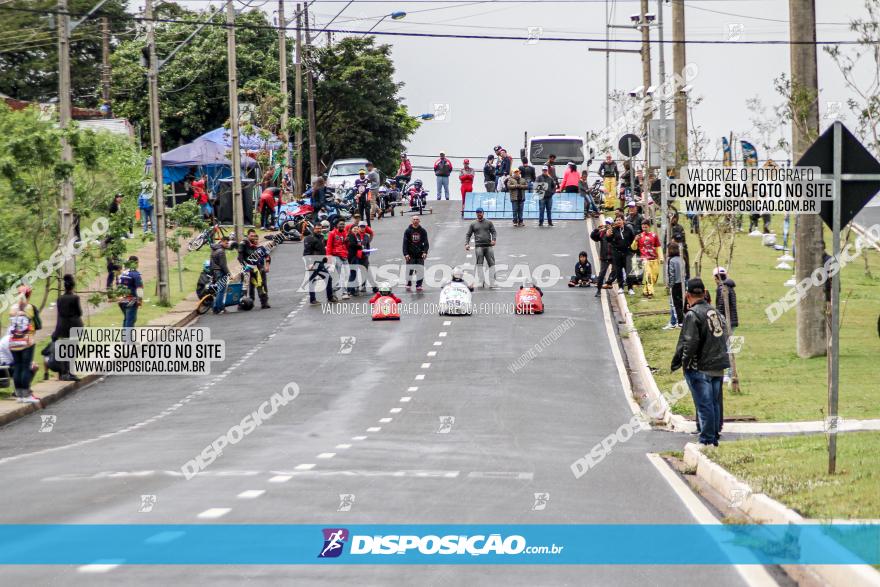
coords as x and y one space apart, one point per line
334 540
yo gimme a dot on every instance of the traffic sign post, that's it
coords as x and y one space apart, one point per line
856 176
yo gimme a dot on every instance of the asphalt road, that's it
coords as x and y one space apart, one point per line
365 423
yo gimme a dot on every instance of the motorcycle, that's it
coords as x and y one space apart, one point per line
456 300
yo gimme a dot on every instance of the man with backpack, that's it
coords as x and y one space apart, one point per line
132 298
145 205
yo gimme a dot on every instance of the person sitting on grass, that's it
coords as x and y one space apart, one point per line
583 272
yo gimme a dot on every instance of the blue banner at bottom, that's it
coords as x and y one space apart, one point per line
246 544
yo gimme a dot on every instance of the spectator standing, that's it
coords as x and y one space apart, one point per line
362 195
528 173
702 353
337 252
609 174
24 321
200 195
678 234
545 186
355 244
256 256
516 187
319 197
266 207
442 169
466 179
602 235
69 316
415 250
648 245
220 271
621 240
505 163
489 173
483 232
570 179
314 254
375 181
675 281
145 206
113 263
551 164
131 281
724 284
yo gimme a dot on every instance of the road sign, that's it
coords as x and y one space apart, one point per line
661 140
630 145
856 175
855 192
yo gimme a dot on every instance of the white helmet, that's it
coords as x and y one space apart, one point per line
457 273
384 288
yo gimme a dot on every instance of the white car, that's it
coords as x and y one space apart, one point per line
455 300
343 172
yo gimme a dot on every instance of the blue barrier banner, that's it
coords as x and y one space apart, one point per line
497 205
601 544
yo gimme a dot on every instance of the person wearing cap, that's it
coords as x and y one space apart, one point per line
516 187
483 232
528 173
442 170
466 179
725 285
602 235
621 240
415 250
570 179
404 171
505 164
489 173
315 257
362 194
356 220
702 353
133 297
545 186
337 253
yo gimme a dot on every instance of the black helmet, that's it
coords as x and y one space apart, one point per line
418 183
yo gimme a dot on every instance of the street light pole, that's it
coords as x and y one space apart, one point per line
156 148
297 103
664 181
237 208
282 71
64 121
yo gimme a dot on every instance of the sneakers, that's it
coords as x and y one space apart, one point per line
408 289
316 302
631 292
419 289
265 306
678 325
345 296
598 293
333 300
31 399
669 326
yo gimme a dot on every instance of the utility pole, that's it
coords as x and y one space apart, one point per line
237 207
678 64
664 147
282 60
297 102
156 147
67 232
646 60
313 131
105 65
811 339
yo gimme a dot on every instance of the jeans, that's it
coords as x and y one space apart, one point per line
148 215
589 204
363 208
490 185
706 392
518 206
129 317
676 304
545 203
619 264
486 254
220 281
442 184
21 370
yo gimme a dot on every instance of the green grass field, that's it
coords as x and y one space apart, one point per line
793 470
777 385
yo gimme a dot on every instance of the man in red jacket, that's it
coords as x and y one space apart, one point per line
266 206
404 172
337 255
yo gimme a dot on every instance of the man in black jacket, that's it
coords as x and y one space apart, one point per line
489 173
220 271
602 235
256 256
415 249
315 257
722 282
621 238
702 352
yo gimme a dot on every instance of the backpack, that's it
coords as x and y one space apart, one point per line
21 336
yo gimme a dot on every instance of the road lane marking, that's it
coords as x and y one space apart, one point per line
251 494
326 455
164 537
374 429
214 513
442 334
447 323
432 353
358 437
385 420
304 467
342 446
405 398
438 343
413 388
426 365
754 575
420 377
395 410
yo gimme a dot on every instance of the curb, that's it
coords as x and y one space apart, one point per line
766 510
56 390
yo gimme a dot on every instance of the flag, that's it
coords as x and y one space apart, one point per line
725 147
750 154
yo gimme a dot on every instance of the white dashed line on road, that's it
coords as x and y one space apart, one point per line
374 429
442 334
426 365
405 399
304 467
342 446
420 377
358 437
280 478
413 388
447 323
326 455
385 420
438 343
214 513
432 353
395 410
251 494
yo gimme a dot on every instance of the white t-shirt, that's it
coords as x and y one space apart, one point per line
5 353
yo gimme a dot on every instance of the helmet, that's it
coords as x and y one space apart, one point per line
418 183
384 288
457 273
528 283
206 265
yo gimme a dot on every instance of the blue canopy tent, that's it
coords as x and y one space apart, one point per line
248 142
209 157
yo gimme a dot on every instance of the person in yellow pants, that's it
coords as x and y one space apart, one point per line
648 246
610 185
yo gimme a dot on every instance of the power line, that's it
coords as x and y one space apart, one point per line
517 38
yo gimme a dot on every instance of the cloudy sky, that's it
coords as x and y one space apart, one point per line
498 89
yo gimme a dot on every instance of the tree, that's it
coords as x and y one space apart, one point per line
866 105
359 110
29 50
